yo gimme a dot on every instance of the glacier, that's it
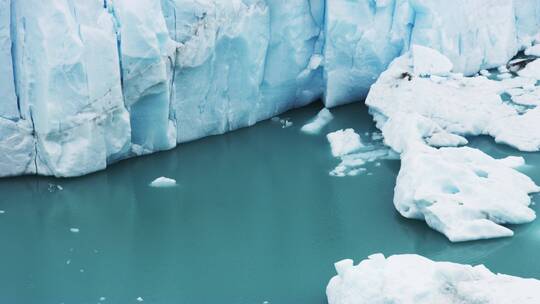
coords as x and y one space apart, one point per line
412 278
84 84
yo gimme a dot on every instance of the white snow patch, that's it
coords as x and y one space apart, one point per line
430 62
504 76
532 70
163 182
318 123
533 50
415 279
485 73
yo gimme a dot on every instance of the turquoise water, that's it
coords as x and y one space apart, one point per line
255 218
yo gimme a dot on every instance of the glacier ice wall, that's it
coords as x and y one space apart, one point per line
84 83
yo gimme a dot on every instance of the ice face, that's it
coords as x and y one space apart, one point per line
100 80
459 191
415 279
8 100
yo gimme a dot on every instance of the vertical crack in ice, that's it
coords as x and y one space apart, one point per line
116 23
12 27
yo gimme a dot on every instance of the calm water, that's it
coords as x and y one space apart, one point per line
256 218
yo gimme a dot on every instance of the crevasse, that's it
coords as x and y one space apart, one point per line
84 83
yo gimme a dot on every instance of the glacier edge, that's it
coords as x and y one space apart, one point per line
87 83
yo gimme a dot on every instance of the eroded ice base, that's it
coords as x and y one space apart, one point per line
415 279
420 105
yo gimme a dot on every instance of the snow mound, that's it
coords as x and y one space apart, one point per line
427 61
415 279
533 50
318 123
461 192
163 182
343 142
532 70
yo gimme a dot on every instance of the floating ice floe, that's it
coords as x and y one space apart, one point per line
318 123
353 164
418 280
372 150
163 182
343 142
461 192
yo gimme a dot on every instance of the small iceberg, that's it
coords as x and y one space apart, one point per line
411 278
163 182
343 142
318 123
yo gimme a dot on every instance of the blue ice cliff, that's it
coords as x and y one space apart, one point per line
85 83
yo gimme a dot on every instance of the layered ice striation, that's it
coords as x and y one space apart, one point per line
425 110
86 83
415 279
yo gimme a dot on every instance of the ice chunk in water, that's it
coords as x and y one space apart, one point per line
344 142
163 182
415 279
319 122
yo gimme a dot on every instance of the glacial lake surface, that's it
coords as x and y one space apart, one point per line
255 218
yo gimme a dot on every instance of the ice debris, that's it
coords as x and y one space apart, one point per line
343 142
318 123
459 191
163 182
415 279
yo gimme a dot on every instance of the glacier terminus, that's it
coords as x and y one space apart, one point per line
84 84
